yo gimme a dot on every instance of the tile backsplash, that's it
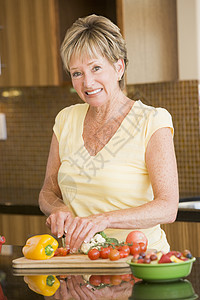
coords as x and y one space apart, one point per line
30 115
29 119
181 99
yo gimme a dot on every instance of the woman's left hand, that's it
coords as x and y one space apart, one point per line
83 229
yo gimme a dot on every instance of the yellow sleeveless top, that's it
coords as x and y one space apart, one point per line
116 178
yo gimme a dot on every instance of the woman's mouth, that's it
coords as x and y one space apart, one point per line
93 92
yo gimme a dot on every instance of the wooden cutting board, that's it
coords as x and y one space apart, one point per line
72 271
78 261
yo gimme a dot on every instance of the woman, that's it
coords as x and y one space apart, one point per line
111 165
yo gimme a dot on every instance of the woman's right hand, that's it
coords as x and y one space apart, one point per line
59 220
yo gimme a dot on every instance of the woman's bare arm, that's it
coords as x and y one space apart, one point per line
50 195
162 168
50 198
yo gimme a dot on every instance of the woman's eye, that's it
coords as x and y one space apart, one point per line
96 68
76 74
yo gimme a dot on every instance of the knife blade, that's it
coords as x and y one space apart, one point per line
63 241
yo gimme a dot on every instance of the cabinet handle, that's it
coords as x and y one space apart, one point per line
1 66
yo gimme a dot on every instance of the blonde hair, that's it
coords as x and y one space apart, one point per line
92 35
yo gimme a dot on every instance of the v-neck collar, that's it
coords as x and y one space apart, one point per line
125 122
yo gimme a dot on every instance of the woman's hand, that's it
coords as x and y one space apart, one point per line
76 288
59 221
83 229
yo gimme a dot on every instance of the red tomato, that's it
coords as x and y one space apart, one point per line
140 261
135 249
105 279
143 247
126 254
114 254
122 253
61 252
104 253
64 252
93 254
136 237
95 279
126 249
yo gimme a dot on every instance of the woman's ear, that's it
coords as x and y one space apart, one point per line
120 66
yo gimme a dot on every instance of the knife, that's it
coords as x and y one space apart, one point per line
63 241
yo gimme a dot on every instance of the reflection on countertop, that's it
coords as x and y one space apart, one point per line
111 284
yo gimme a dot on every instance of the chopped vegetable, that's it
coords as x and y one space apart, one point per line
162 258
40 247
61 251
97 241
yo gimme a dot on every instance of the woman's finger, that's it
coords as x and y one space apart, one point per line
72 289
70 231
64 292
80 233
68 222
57 222
63 219
51 222
83 292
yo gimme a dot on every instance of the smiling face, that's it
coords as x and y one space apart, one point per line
95 79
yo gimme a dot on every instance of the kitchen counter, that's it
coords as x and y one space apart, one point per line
13 285
189 211
25 202
19 201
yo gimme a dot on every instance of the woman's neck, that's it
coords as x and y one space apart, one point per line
112 109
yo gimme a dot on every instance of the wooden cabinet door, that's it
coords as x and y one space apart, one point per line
183 235
149 28
18 228
29 43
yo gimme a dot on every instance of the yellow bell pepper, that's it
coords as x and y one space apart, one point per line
40 247
45 285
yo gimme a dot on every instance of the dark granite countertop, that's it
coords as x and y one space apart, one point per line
189 210
13 284
19 201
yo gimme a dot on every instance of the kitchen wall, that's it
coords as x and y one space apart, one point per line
181 99
30 118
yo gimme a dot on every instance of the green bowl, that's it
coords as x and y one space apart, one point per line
162 272
181 289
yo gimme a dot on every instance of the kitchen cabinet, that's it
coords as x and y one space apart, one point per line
18 228
183 235
31 33
149 28
29 43
70 11
30 36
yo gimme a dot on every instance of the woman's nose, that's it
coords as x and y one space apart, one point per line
88 80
